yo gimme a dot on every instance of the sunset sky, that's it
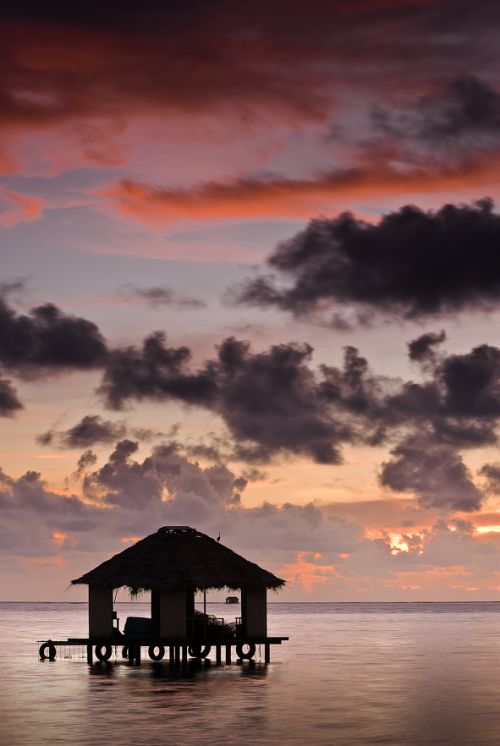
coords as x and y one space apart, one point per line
250 282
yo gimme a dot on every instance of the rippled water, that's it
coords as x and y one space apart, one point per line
351 674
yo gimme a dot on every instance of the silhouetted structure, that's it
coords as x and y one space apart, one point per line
174 563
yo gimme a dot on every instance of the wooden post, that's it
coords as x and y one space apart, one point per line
228 654
171 608
218 656
100 612
254 612
171 654
90 657
184 654
267 653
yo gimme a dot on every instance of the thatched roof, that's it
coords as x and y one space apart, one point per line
179 557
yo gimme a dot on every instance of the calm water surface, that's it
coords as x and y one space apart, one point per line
351 674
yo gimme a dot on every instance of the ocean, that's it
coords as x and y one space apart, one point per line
351 674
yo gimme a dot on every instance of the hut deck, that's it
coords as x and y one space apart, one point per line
146 641
179 650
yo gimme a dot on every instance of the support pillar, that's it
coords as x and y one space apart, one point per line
267 653
254 612
218 657
90 655
171 607
100 612
228 654
137 654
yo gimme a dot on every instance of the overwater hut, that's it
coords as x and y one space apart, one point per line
174 563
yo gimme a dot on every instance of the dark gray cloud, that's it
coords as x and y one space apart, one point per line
9 402
15 287
47 339
253 474
29 491
412 264
91 429
422 349
85 462
94 429
160 296
275 402
492 474
462 116
156 371
434 472
460 400
329 542
130 483
122 482
164 488
271 402
472 383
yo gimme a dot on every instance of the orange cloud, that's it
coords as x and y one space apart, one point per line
291 197
49 561
59 538
307 572
17 208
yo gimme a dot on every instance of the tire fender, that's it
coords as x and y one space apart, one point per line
245 655
47 651
103 652
156 656
197 651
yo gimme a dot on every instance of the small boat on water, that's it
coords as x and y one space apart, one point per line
232 600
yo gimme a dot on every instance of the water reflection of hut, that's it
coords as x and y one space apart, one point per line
174 563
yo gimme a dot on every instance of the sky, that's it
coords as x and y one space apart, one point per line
250 283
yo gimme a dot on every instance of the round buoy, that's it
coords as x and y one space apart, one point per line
245 650
197 651
103 652
156 656
48 650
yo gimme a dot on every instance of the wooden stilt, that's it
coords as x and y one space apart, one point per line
228 654
218 656
267 653
184 654
90 657
171 654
